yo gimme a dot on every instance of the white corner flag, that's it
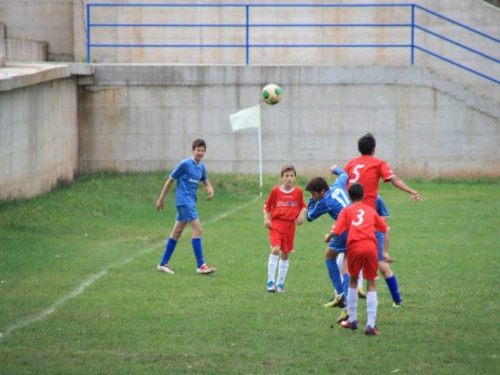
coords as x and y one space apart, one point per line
246 119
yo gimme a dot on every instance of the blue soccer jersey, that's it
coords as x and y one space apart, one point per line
188 174
334 200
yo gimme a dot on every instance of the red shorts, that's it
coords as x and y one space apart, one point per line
282 234
363 256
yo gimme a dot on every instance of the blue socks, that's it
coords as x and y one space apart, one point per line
392 283
198 251
346 286
169 250
334 274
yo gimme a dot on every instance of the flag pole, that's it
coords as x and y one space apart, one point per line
260 159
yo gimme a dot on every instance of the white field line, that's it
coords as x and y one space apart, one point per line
38 317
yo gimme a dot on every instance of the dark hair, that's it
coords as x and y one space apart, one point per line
199 143
288 167
366 144
317 185
356 192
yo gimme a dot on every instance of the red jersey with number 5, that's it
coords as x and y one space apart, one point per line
361 221
368 170
285 205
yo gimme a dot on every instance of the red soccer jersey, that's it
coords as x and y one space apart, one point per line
367 170
285 205
361 221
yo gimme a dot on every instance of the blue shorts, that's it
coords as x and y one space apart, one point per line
380 239
186 214
339 244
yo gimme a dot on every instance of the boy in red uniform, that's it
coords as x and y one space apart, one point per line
284 206
361 221
368 170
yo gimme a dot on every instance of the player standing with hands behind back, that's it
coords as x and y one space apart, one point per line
284 206
188 174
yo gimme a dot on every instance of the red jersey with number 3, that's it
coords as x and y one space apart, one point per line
285 205
368 170
361 221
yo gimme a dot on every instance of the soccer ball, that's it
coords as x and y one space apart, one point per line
272 94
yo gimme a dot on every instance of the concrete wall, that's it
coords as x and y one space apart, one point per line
474 13
137 118
38 137
22 50
49 21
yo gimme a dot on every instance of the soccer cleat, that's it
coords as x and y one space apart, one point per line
280 288
205 270
361 293
348 324
271 287
398 304
165 268
338 301
344 315
369 331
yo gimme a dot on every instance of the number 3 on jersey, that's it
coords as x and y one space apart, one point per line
358 222
355 171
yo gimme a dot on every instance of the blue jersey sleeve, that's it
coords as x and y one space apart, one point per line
204 174
317 210
381 208
179 170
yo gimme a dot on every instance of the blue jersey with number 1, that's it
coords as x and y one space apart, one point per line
334 200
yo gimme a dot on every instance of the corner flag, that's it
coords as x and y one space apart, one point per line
246 119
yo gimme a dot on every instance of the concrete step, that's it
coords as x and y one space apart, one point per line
23 50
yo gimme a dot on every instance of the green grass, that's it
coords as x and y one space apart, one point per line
79 292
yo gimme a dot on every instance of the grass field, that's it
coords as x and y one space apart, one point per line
79 290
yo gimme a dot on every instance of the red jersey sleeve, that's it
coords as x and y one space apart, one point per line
380 224
302 204
385 171
342 223
271 201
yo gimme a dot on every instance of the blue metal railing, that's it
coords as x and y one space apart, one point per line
412 26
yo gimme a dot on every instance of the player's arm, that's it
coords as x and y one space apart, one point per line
210 189
166 187
300 218
316 209
397 182
385 249
267 220
338 228
267 209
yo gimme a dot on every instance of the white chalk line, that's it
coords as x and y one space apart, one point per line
43 314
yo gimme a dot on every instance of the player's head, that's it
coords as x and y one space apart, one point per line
317 187
199 149
366 144
288 175
199 143
356 192
288 168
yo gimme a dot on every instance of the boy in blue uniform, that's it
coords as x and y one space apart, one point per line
331 200
188 174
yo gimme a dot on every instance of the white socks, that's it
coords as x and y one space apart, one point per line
371 308
340 263
282 272
271 267
352 304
